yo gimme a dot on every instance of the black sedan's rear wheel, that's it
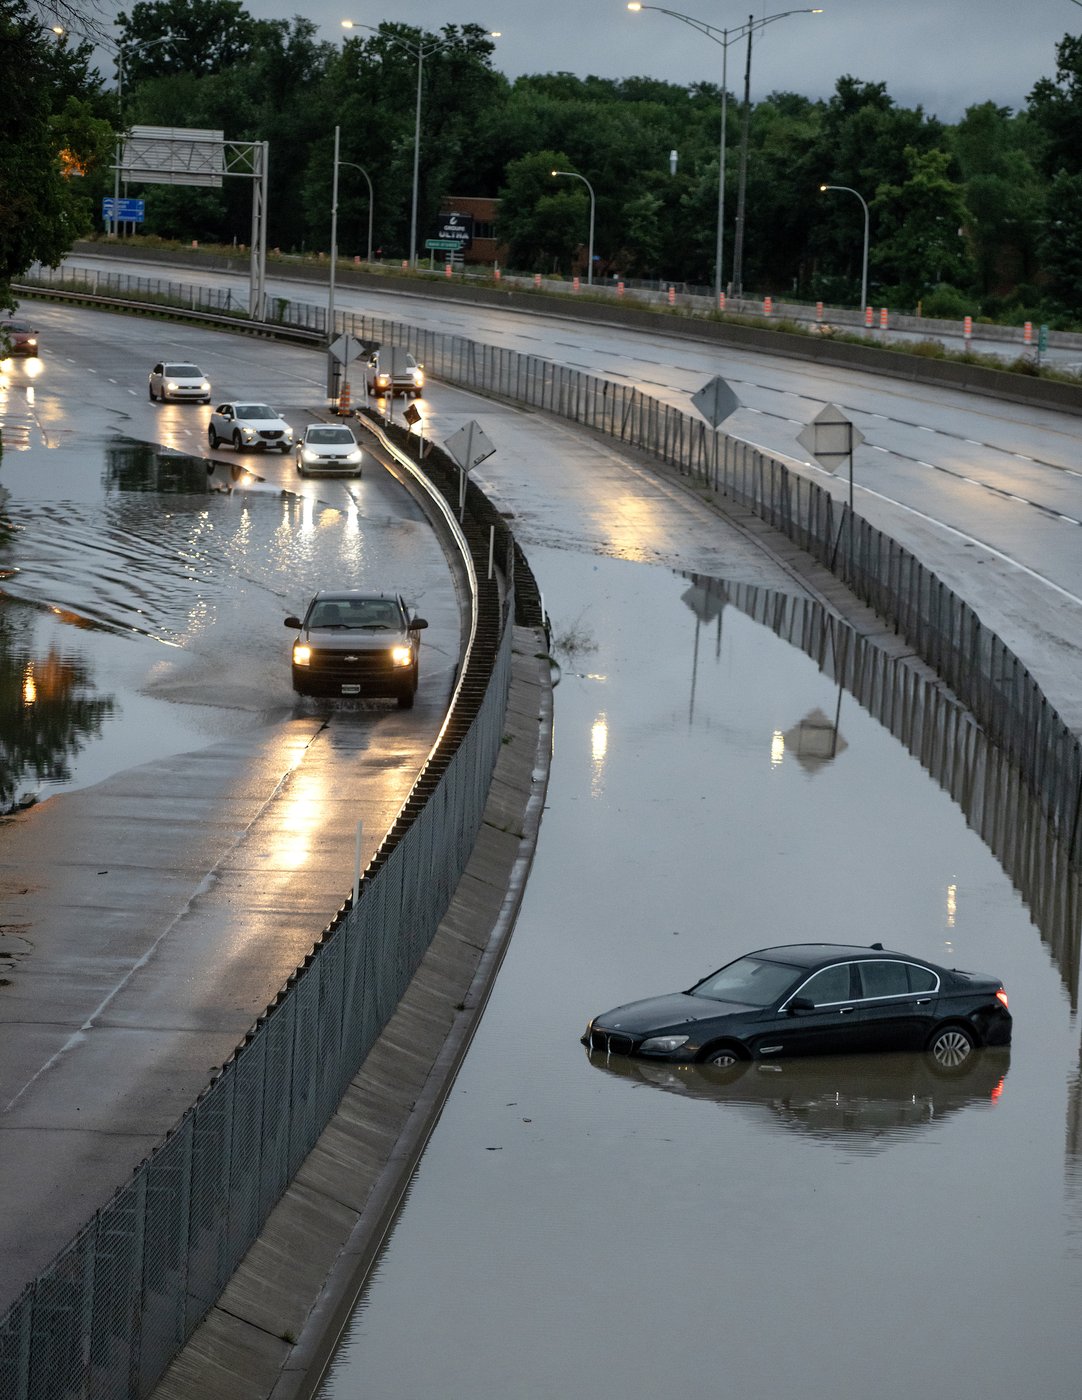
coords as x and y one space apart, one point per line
951 1046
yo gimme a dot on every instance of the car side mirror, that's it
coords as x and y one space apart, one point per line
293 622
418 624
799 1004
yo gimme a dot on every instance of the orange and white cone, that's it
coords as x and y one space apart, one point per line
344 409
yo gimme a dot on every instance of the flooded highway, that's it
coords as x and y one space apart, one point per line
142 594
577 1224
837 1228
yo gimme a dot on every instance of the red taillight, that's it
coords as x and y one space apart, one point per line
1001 995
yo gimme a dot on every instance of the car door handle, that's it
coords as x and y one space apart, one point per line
923 1001
845 1010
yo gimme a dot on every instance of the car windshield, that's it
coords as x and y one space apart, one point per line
255 410
751 981
336 435
183 372
375 613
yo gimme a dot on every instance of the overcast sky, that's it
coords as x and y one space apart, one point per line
942 54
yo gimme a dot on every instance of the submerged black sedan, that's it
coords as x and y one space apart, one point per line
812 999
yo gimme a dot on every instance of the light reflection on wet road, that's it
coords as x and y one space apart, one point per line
833 1229
132 580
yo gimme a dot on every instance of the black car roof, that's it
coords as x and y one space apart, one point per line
810 954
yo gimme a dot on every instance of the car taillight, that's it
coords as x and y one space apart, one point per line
1001 995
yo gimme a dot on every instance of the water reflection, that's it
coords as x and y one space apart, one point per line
48 711
143 466
870 1101
911 702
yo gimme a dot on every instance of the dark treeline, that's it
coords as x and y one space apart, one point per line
984 216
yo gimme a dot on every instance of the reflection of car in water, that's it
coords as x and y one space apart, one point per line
868 1096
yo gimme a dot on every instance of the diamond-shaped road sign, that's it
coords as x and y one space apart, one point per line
346 348
469 446
831 438
715 401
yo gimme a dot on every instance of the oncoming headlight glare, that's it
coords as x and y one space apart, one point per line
302 654
401 656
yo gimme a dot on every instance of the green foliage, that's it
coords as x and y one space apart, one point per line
52 125
185 36
921 242
1061 245
981 212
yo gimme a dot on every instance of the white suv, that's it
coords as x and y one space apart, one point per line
249 425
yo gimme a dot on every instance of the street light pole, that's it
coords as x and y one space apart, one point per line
119 56
422 52
334 239
334 225
742 185
574 174
725 37
864 266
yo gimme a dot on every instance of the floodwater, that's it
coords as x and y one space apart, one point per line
837 1229
143 592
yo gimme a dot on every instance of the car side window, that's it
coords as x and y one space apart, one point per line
884 979
921 979
829 986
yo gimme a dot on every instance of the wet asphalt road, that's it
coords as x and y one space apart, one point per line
179 827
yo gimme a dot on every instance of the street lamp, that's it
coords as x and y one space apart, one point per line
334 225
864 266
422 51
725 37
118 54
574 175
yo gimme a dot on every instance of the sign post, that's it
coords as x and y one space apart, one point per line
468 447
715 401
831 439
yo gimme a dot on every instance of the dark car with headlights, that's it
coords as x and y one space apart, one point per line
357 644
17 338
813 999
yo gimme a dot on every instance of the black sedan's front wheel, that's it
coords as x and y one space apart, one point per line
951 1046
723 1057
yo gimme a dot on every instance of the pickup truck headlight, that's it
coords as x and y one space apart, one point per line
302 653
401 656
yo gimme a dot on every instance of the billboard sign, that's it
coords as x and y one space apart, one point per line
456 229
173 155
